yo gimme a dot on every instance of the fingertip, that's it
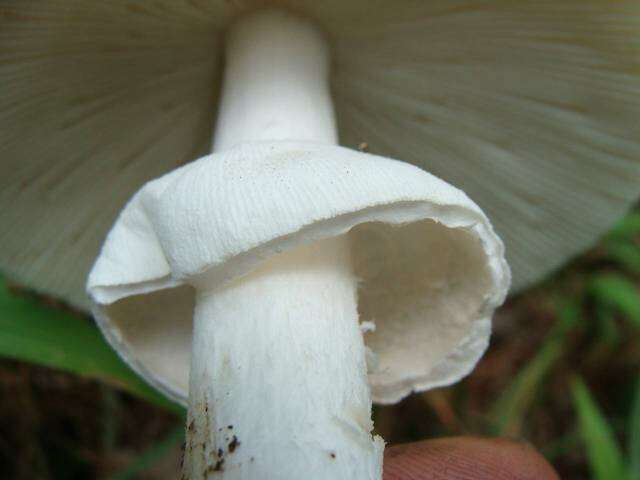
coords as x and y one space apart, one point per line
467 458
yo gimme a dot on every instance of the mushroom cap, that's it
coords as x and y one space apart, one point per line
531 108
431 270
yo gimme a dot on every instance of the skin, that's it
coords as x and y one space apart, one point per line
466 458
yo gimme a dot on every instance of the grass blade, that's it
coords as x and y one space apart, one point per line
603 453
625 254
510 410
34 333
627 229
616 291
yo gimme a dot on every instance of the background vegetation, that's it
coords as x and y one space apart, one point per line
562 372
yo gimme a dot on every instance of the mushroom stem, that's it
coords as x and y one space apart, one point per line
276 83
278 384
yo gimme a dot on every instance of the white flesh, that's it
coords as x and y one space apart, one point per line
276 83
278 384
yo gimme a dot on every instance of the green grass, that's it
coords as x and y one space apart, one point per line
620 244
599 313
605 456
34 333
510 410
616 292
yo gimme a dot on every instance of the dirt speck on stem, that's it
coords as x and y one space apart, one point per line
217 467
235 443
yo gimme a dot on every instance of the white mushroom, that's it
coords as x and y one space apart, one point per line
530 107
289 240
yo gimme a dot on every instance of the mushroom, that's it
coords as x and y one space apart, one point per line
522 105
287 240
